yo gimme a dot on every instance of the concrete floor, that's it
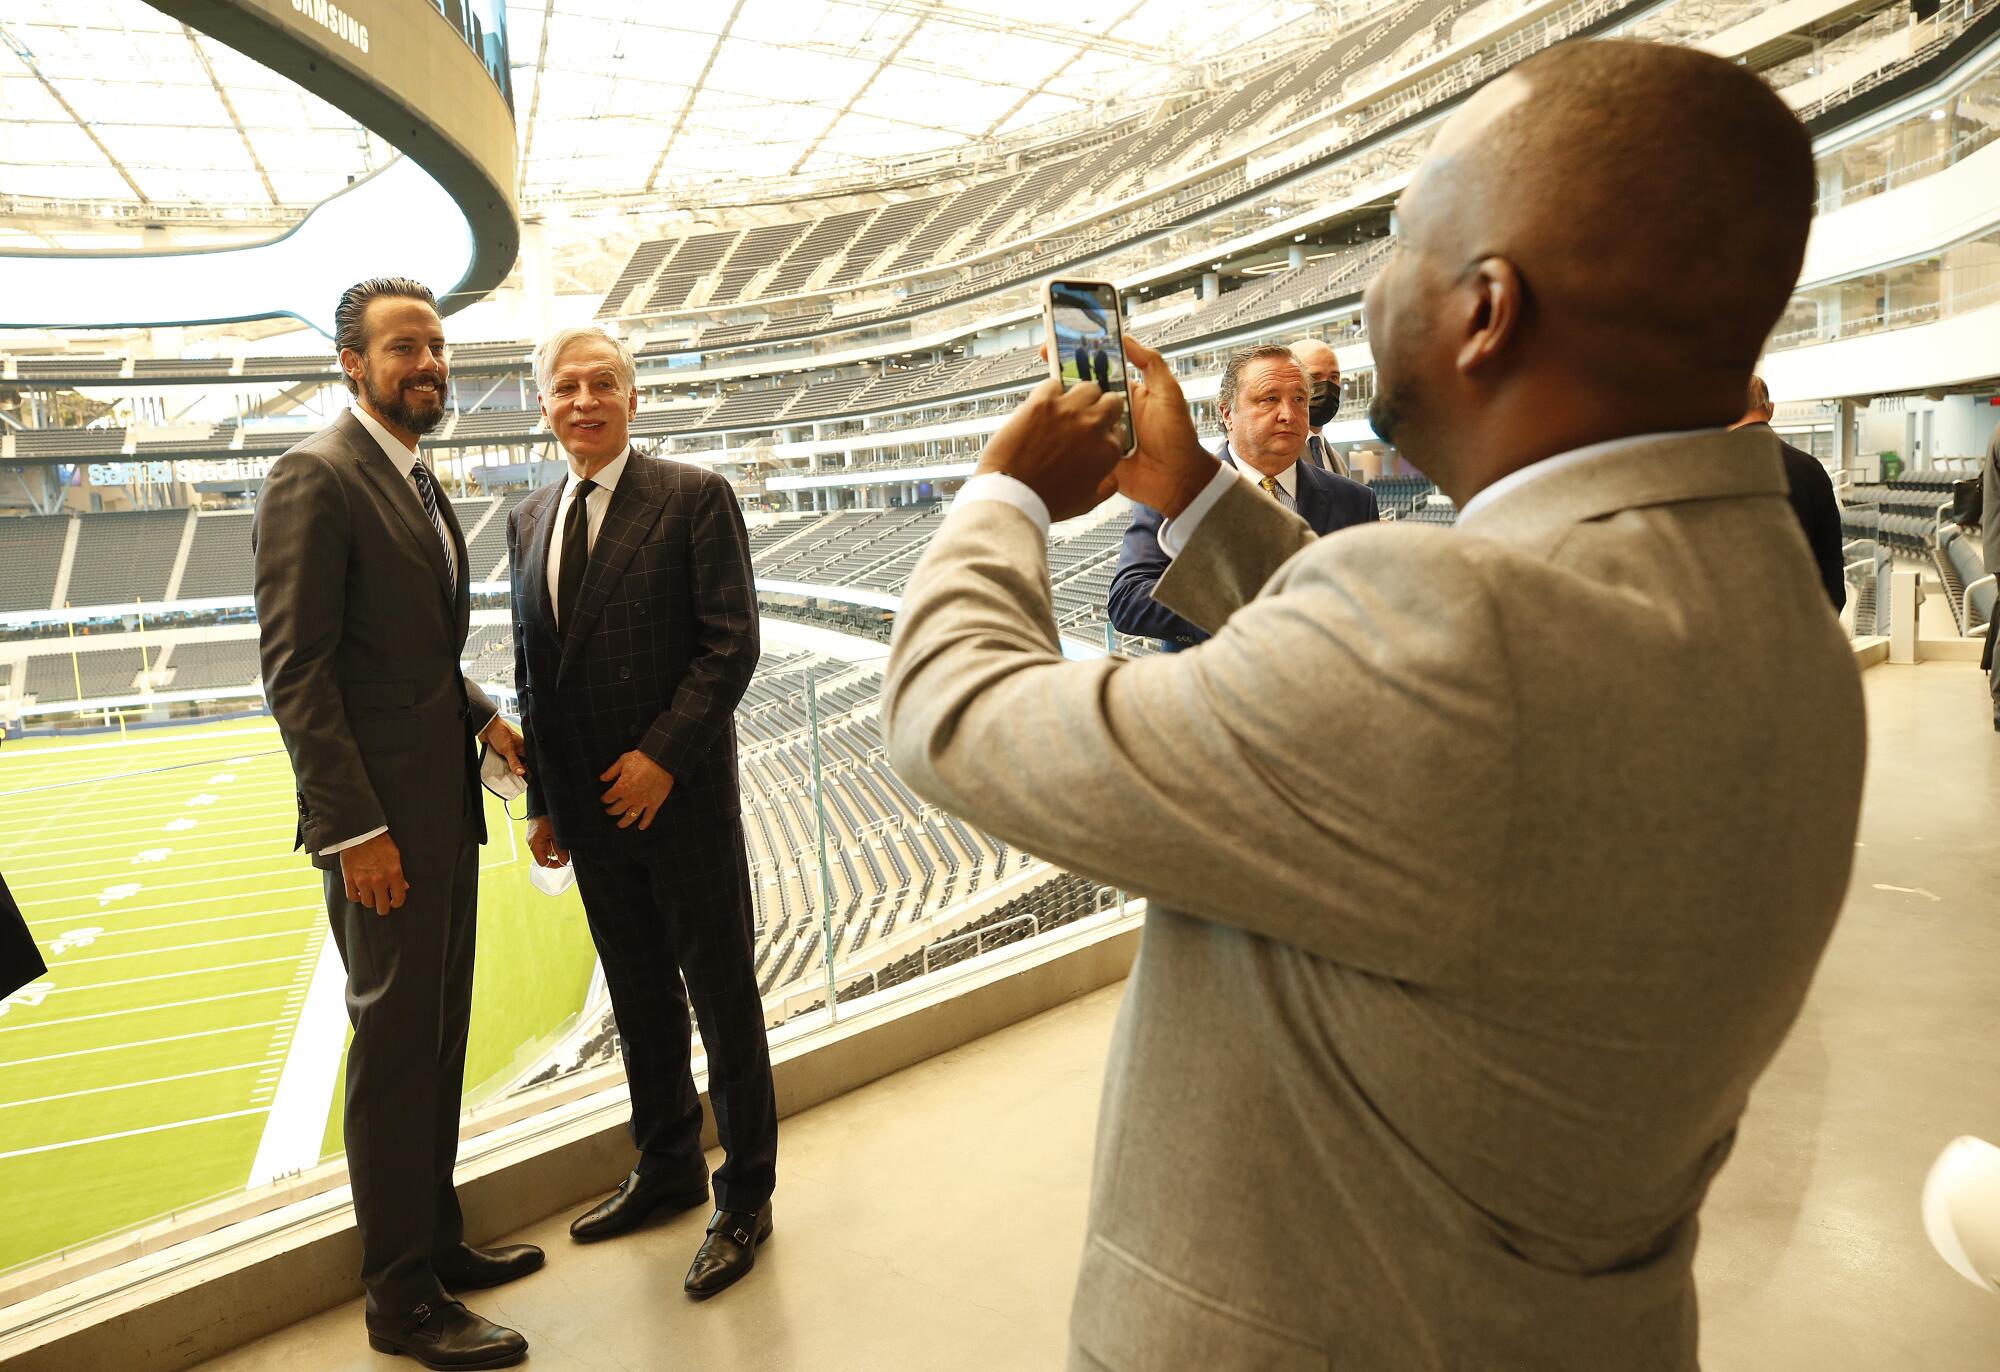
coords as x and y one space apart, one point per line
933 1219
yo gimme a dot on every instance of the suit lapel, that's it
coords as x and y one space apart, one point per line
635 505
1311 501
375 465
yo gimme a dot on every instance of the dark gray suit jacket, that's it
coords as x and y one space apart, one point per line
662 646
361 649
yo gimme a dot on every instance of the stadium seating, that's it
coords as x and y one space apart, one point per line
74 443
31 551
219 562
101 672
126 556
204 664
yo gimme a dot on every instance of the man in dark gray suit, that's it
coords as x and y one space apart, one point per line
362 605
1812 497
635 634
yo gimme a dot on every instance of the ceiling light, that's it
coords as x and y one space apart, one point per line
1939 112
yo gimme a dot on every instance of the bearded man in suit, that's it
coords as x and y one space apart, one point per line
363 601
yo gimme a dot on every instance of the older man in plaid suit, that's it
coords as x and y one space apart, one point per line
635 634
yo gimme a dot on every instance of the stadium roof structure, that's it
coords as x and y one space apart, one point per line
621 97
118 115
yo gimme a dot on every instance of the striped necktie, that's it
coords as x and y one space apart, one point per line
428 491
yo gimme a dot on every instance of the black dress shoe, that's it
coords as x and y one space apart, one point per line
729 1251
638 1196
448 1336
473 1269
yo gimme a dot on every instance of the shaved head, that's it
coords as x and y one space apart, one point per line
1316 358
1606 234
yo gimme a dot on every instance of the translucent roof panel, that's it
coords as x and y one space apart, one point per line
115 103
617 98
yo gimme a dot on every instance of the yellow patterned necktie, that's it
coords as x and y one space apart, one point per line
1270 485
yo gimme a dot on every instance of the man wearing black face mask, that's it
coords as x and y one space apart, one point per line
1322 371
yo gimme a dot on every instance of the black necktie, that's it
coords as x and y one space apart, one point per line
428 491
576 554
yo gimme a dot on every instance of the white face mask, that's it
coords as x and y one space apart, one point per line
552 881
496 776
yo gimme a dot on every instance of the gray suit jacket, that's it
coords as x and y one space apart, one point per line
360 648
1447 1007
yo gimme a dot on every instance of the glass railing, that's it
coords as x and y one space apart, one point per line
180 1065
1960 279
1939 136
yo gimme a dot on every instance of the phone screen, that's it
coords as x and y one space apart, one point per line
1088 346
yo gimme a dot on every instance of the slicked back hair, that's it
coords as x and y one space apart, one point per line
1232 370
350 316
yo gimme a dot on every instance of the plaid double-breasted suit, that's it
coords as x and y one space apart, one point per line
661 644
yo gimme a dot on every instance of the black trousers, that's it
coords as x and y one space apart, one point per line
674 929
409 997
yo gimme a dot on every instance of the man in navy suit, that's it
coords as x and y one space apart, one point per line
1264 401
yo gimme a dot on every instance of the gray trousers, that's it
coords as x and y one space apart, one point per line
409 997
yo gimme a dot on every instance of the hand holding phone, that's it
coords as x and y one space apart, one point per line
1086 343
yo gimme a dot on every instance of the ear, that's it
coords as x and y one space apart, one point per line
632 404
351 363
1495 300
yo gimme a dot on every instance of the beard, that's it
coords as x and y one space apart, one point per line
1385 414
419 416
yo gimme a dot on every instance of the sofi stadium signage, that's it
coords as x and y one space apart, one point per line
335 21
189 469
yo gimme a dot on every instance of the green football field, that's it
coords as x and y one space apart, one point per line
180 1038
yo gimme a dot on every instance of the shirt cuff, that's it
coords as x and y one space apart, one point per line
357 840
1175 533
1008 490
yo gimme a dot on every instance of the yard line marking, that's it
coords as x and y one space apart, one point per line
151 885
128 1085
187 947
319 905
137 1010
171 976
136 1043
145 741
211 899
296 1125
128 1133
189 848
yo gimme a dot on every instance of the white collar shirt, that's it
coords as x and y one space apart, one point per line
404 460
594 507
1288 481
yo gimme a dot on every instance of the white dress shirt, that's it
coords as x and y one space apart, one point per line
405 460
594 507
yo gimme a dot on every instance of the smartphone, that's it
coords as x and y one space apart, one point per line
1086 335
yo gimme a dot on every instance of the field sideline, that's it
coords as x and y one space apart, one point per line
182 935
